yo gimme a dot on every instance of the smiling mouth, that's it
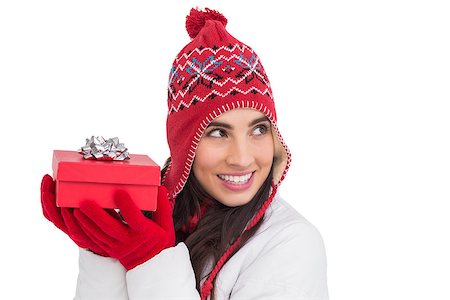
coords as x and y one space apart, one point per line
238 180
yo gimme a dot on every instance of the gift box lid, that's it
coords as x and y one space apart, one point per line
71 166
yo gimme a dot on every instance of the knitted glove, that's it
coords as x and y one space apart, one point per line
63 218
134 240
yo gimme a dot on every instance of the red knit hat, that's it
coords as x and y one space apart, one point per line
213 74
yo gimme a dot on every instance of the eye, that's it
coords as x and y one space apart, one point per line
261 129
216 133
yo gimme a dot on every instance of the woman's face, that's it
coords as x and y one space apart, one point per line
234 156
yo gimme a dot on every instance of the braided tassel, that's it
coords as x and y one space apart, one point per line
207 285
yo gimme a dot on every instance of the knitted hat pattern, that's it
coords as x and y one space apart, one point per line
214 73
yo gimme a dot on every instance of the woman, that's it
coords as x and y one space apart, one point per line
229 235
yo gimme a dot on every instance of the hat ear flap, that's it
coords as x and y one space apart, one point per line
282 156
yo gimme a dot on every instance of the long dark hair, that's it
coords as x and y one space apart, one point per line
218 227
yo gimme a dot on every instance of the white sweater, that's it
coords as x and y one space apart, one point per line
285 259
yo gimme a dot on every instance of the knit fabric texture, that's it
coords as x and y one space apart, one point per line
212 74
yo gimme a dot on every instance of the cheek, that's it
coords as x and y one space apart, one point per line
264 152
205 161
267 153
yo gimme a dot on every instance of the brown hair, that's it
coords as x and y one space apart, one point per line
218 228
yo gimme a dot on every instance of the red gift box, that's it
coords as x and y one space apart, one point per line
79 179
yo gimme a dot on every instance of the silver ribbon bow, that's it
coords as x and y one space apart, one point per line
100 149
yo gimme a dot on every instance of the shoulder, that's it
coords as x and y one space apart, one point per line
284 221
285 240
286 256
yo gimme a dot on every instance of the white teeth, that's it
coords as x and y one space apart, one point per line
236 179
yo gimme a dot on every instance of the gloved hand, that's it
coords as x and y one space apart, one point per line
63 218
134 240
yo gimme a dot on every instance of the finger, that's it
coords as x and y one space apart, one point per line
79 236
47 195
47 192
163 214
98 246
129 211
51 211
93 231
44 210
74 229
104 221
47 184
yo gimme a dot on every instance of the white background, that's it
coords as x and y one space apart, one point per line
362 90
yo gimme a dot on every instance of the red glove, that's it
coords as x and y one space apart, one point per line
63 218
134 240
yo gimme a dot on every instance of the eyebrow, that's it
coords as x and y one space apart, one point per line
228 126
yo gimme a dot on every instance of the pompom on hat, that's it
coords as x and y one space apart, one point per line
215 73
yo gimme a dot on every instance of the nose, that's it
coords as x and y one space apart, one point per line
240 154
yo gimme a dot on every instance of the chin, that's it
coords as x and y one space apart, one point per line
235 200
